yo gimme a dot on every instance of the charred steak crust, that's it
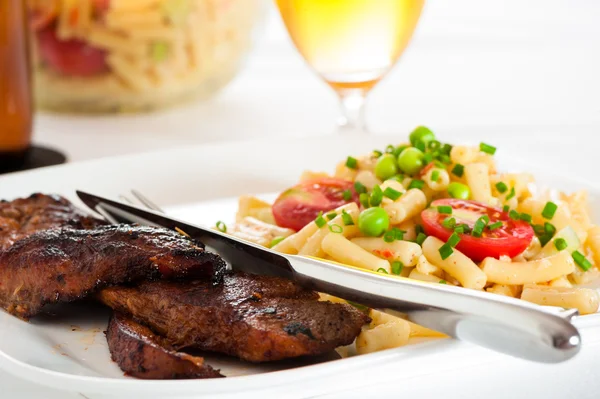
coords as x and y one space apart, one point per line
24 216
63 265
255 318
142 354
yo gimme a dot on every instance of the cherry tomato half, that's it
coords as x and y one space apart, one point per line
70 57
510 239
301 204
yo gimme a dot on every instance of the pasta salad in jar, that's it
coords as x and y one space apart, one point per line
129 55
438 213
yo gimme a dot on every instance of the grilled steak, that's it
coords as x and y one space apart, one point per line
142 354
63 265
24 216
255 318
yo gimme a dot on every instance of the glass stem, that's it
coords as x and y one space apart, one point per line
352 102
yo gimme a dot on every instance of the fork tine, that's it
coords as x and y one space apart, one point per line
149 204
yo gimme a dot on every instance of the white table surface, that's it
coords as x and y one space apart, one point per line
508 63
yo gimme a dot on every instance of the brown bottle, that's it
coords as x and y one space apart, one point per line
15 84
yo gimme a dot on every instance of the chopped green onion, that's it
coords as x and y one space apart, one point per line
549 228
525 217
359 187
221 226
398 234
443 282
434 145
382 270
352 162
427 158
331 215
397 267
488 149
416 184
511 194
390 149
420 238
458 170
495 226
376 196
549 210
276 241
538 229
364 200
377 153
320 220
435 175
505 208
445 209
446 148
347 195
391 193
581 261
461 229
444 159
479 225
501 187
453 240
336 228
420 145
389 236
449 223
347 219
560 243
445 251
514 215
398 178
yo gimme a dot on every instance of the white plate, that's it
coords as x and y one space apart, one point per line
68 351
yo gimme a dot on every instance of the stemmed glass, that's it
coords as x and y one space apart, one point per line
351 44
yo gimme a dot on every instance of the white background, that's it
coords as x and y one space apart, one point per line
503 63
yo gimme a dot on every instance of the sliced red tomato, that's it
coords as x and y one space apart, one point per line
512 238
301 204
70 57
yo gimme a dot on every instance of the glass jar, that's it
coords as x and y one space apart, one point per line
133 55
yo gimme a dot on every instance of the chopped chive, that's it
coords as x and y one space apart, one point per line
460 229
514 215
376 196
347 195
359 187
449 223
488 149
453 240
377 153
364 200
560 243
389 236
581 261
416 184
352 162
525 217
336 228
390 149
435 175
549 210
501 187
320 220
511 194
276 241
420 238
382 270
391 193
505 208
445 251
331 215
458 170
480 225
397 267
445 209
443 282
347 219
221 226
495 226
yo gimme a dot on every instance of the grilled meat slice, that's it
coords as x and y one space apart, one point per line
24 216
255 318
142 354
63 265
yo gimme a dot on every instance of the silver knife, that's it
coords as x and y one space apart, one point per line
500 323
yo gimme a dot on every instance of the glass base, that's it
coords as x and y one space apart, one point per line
34 157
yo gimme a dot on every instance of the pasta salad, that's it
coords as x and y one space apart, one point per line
439 213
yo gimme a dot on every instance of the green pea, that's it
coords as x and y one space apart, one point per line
386 167
410 161
373 221
459 190
421 133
